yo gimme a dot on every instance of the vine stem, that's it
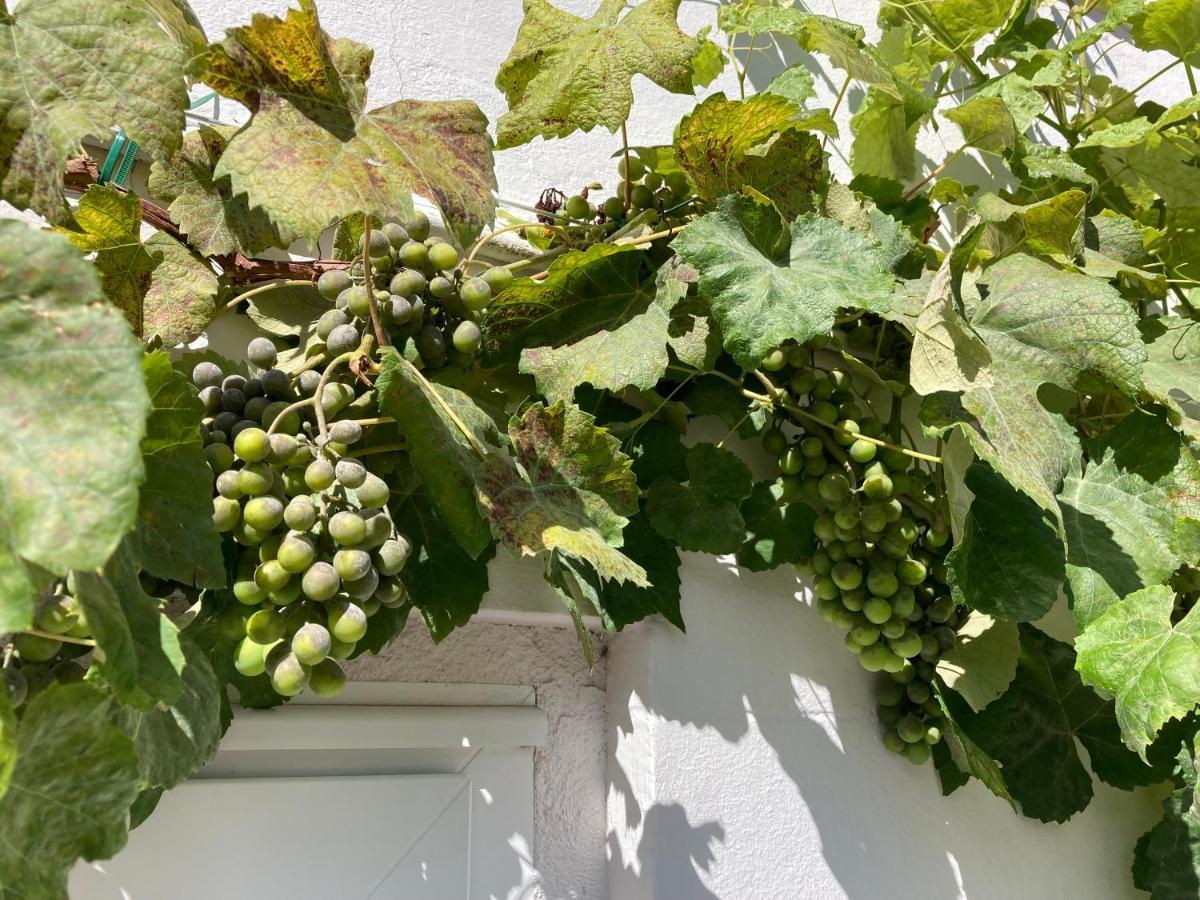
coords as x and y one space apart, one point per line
290 408
1125 99
262 289
378 448
1191 78
658 235
470 435
836 105
377 420
492 235
376 325
908 195
319 394
65 638
628 184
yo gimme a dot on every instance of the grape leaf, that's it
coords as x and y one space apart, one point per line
1122 513
290 313
174 742
1010 562
1171 25
1160 166
1042 325
1132 652
885 132
795 83
215 220
175 537
66 74
164 290
8 741
703 515
776 532
313 153
620 603
1172 371
75 778
68 492
181 22
767 283
727 146
568 488
1032 728
566 74
137 646
440 452
967 757
627 350
1167 857
444 582
986 124
983 661
1052 227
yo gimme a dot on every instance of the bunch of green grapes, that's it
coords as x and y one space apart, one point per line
667 197
317 551
879 569
420 292
32 662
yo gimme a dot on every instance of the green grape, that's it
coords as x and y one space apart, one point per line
815 468
311 643
363 588
351 565
220 457
320 582
878 486
941 609
893 627
379 526
910 571
810 491
347 528
271 576
391 593
918 692
827 609
407 282
873 518
497 278
875 657
855 600
467 337
631 168
877 610
375 246
847 575
894 742
824 410
283 448
835 487
843 618
476 293
812 448
824 527
933 734
802 381
207 374
300 514
340 649
846 517
882 584
227 513
851 644
231 621
289 593
327 679
414 254
319 475
864 635
255 479
430 344
641 197
263 513
904 602
936 537
931 648
836 551
250 658
296 553
653 181
261 351
862 451
918 754
443 257
891 693
577 207
845 435
269 548
442 288
823 586
791 462
265 626
417 227
349 472
289 677
774 361
613 208
347 622
907 645
911 728
677 183
33 648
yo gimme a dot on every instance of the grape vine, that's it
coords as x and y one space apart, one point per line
981 400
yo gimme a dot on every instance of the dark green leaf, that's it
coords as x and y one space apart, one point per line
1167 857
777 532
703 514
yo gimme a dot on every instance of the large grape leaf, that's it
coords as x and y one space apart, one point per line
444 582
75 777
75 407
1123 513
885 130
313 153
1167 857
71 69
567 487
703 514
137 647
729 145
1031 731
441 453
1134 653
767 282
627 350
566 73
983 661
1158 166
175 741
1044 326
163 289
1010 561
962 758
963 22
175 537
1052 227
215 220
986 123
777 532
1171 25
1172 371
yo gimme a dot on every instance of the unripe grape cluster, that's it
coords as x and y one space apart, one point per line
419 290
317 552
35 661
666 195
879 571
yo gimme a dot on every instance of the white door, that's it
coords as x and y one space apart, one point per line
347 801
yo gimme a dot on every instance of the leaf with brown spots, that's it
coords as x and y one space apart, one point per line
568 488
313 153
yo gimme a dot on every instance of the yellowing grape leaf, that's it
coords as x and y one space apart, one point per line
566 74
313 153
568 487
1171 25
70 69
1172 372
